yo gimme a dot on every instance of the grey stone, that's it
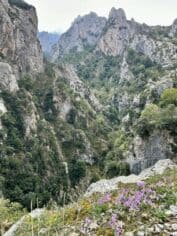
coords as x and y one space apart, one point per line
104 185
8 80
34 214
173 233
140 233
174 227
173 209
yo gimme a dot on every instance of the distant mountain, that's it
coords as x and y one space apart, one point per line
84 32
47 40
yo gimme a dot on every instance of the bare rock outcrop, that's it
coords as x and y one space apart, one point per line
146 152
85 31
19 46
104 185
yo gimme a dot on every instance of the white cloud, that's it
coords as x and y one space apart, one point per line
57 15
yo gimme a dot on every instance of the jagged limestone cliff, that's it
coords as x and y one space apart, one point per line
20 51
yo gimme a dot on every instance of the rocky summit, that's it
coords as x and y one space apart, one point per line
80 118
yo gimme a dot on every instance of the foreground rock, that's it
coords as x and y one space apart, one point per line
34 214
104 185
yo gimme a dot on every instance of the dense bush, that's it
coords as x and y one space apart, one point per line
119 143
77 170
114 169
149 119
10 213
49 107
26 82
154 117
169 96
138 62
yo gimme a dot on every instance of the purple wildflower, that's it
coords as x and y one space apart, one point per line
115 225
118 230
106 198
141 184
113 220
85 227
88 221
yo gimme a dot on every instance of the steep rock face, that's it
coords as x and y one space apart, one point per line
146 152
18 43
78 86
163 52
85 31
30 116
125 73
7 78
117 34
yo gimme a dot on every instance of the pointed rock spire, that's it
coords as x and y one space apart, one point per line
118 15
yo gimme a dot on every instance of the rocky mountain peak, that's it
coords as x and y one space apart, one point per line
87 17
85 31
118 15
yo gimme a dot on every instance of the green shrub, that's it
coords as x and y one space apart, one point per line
119 143
169 96
77 170
154 117
114 169
138 62
50 111
149 119
9 214
26 82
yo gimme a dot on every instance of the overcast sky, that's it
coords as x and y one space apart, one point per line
57 15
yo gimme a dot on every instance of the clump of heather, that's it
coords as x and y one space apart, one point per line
128 204
133 200
116 226
105 199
